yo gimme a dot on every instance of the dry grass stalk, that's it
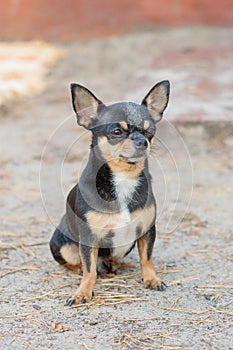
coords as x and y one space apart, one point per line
50 292
20 269
196 323
85 346
8 246
17 247
195 312
100 300
146 342
221 286
211 251
221 311
7 233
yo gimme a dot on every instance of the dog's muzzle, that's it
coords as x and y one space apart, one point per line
141 143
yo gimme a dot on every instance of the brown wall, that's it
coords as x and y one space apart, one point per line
71 19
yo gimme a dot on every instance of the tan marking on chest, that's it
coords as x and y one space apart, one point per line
102 223
123 224
143 218
124 239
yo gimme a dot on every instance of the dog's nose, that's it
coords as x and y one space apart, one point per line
140 143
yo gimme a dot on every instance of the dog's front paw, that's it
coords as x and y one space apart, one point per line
81 297
155 283
151 281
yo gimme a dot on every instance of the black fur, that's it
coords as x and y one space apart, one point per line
104 184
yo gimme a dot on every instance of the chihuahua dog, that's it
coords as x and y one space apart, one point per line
112 207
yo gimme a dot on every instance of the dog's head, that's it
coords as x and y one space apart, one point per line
122 132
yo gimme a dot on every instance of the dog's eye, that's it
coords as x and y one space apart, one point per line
116 132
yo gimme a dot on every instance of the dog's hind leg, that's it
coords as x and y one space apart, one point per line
107 265
64 250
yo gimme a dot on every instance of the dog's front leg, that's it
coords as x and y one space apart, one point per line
89 256
145 248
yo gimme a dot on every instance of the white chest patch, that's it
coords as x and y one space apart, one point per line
125 187
125 234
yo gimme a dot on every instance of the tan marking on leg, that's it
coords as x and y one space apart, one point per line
128 265
85 290
108 265
77 268
70 253
114 265
147 267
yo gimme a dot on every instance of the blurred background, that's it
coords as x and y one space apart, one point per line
75 19
188 40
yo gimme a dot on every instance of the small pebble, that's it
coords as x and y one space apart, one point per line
213 303
170 264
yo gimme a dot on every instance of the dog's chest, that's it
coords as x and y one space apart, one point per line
119 230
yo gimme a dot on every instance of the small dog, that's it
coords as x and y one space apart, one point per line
113 206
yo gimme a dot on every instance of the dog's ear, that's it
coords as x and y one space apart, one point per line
157 99
86 105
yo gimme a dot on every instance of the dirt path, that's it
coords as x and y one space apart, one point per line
194 257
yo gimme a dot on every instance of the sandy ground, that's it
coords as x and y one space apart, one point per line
42 154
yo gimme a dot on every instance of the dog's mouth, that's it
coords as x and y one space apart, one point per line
132 160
